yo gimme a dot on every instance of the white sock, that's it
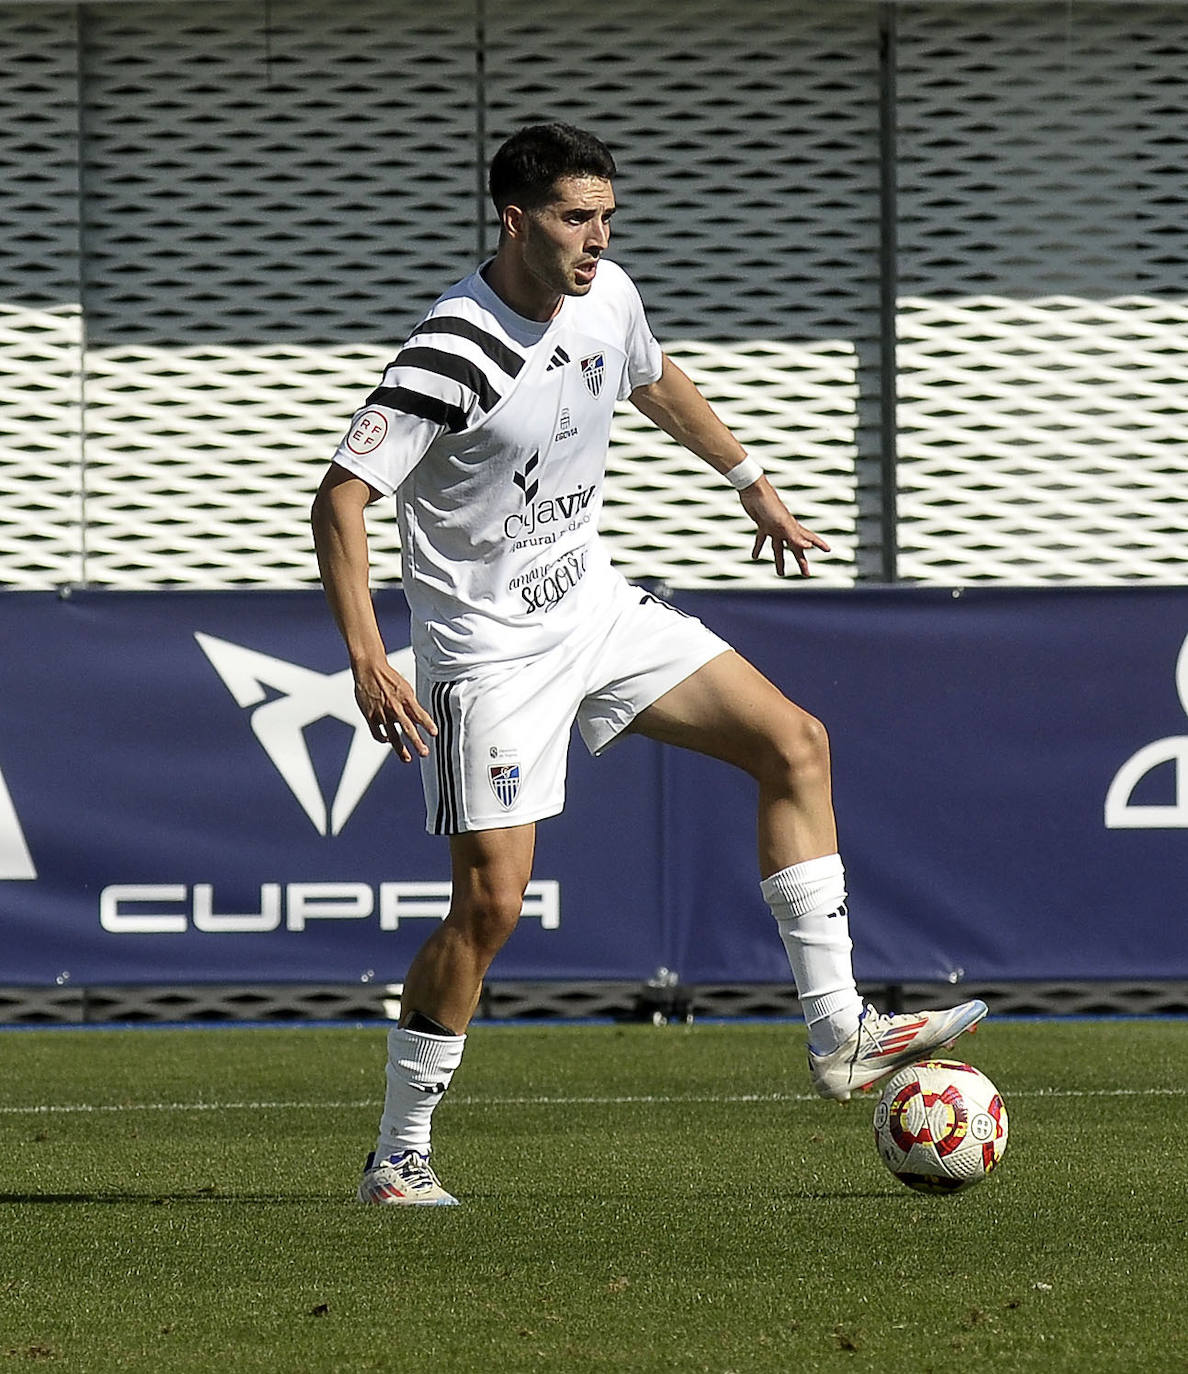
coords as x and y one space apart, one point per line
808 901
419 1071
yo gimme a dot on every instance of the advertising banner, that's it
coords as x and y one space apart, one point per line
193 795
188 793
1010 774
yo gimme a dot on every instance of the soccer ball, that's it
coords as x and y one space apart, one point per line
940 1126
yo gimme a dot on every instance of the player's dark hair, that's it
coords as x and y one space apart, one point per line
528 166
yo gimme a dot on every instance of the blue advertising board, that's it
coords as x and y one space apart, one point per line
187 793
1010 772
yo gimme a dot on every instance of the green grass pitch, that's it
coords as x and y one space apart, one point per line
634 1199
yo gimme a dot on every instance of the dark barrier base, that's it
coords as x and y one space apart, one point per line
551 1001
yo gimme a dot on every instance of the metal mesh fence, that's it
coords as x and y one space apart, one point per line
1043 272
221 218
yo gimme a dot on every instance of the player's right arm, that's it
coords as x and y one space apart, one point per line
387 700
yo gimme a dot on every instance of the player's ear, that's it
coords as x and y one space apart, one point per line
513 221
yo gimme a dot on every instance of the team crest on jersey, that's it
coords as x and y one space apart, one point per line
505 783
593 369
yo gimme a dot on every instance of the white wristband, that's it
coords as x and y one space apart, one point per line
744 474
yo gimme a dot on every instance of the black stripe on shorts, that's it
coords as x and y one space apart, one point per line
446 760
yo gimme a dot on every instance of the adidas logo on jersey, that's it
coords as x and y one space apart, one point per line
559 358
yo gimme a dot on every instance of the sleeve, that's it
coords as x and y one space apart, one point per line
645 361
440 382
383 445
424 392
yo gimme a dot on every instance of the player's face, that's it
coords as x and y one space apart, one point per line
564 240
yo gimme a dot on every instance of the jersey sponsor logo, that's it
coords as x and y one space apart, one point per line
593 371
559 359
550 510
368 432
566 429
546 585
523 479
1121 811
505 783
286 699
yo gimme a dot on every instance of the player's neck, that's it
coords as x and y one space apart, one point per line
519 290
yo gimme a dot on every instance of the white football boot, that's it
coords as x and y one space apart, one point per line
883 1043
403 1180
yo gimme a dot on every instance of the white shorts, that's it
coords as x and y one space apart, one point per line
499 756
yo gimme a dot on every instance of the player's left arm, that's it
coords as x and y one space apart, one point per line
675 405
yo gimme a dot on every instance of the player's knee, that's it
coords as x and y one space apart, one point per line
799 757
488 915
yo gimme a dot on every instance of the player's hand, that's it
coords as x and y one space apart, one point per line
774 522
391 709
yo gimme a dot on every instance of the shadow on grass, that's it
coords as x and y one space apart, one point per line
199 1195
209 1196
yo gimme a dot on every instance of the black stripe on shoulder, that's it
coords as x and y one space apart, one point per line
507 359
417 403
455 368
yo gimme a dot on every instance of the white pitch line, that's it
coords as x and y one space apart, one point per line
89 1108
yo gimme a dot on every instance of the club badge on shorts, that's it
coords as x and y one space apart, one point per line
505 783
593 368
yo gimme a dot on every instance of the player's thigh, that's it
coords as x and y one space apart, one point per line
729 710
490 870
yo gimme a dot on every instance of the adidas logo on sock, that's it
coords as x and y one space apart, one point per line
559 358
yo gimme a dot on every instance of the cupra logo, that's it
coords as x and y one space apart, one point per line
1123 814
279 723
15 859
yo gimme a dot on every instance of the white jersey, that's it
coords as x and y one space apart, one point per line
492 431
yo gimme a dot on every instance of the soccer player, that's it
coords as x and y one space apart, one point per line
490 428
